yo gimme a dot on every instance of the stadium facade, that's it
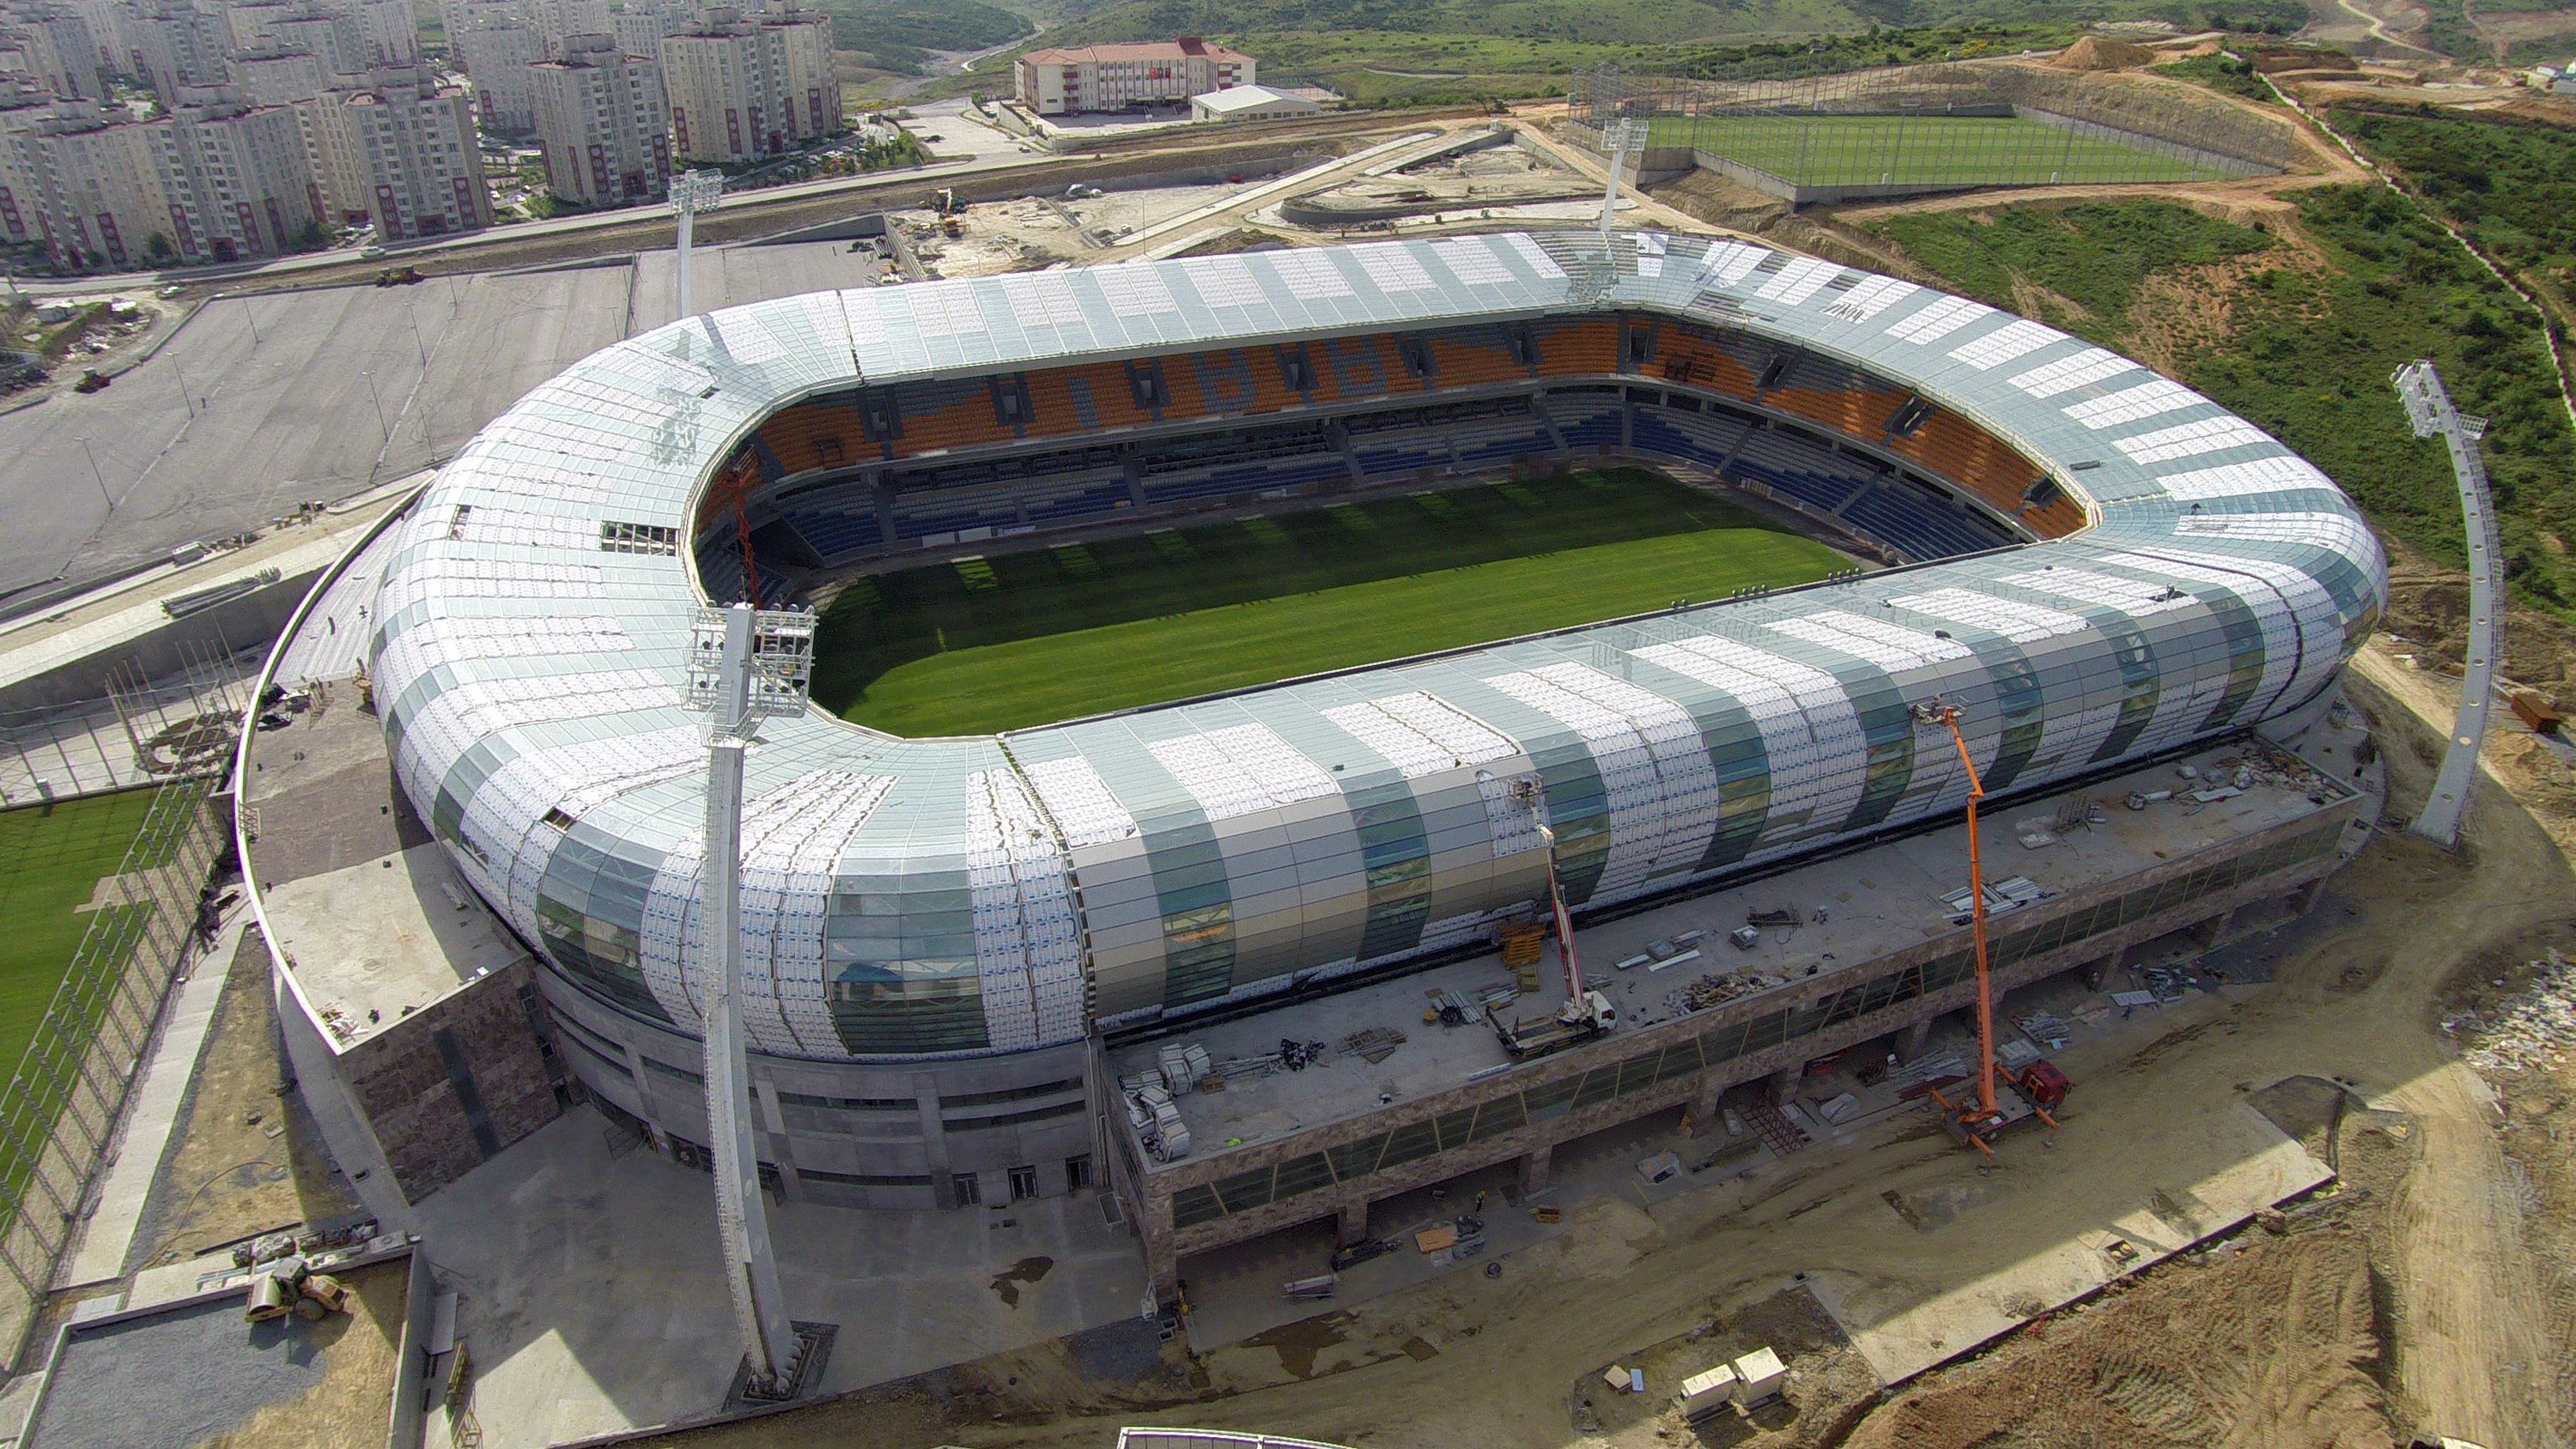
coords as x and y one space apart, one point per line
2096 565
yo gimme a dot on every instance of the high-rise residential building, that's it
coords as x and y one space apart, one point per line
747 87
1055 81
268 76
22 110
320 34
62 52
642 24
399 149
249 23
177 45
98 195
602 119
379 34
496 59
234 177
560 20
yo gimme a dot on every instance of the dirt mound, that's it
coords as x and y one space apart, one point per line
2095 53
2269 1346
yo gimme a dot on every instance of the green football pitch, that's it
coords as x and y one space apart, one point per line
1026 638
52 858
1921 151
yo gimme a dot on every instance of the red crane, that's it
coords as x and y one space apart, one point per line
2040 1083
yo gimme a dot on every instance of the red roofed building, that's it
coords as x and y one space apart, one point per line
1113 77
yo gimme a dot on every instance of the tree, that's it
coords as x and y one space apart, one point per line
157 247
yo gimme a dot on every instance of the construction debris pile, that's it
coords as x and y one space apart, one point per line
2536 1029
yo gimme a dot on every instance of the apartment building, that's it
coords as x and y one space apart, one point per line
640 26
270 76
398 149
744 87
234 178
496 58
602 120
559 20
177 45
381 33
1058 81
97 194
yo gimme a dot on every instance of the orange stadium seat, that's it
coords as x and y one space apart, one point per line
1458 362
813 435
1588 348
1857 414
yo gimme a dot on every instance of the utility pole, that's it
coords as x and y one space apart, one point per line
692 192
745 666
1618 138
2429 410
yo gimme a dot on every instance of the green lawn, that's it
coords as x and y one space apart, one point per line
1027 638
51 858
1921 151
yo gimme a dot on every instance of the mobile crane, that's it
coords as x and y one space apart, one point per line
1585 1014
2036 1088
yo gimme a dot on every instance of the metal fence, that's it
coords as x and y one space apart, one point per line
70 1086
1914 128
133 734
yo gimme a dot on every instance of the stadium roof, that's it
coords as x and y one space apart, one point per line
529 672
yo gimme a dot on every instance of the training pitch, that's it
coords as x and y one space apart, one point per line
1922 151
987 644
52 858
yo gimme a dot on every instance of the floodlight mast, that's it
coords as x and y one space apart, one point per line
1618 138
692 192
2429 410
747 664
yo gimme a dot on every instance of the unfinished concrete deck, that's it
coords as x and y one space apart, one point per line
376 920
1874 901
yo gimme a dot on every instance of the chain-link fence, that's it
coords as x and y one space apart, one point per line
132 734
1908 129
71 1083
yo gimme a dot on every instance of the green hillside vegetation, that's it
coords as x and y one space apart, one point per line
2091 255
2510 184
898 35
2225 74
2311 350
1026 638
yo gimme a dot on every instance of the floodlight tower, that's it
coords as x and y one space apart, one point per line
746 665
692 192
1618 138
2429 409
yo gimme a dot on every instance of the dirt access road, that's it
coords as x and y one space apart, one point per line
2441 1302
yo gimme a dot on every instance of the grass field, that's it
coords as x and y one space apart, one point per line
1027 638
51 859
1921 151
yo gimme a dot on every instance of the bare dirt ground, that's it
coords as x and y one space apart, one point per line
246 1157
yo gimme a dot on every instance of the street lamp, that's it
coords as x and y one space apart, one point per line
95 475
417 344
251 315
745 665
692 192
381 425
183 386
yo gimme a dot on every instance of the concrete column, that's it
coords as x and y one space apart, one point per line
1534 1169
1911 1041
1704 1111
782 1152
2305 898
1784 1083
1350 1223
644 1099
934 1143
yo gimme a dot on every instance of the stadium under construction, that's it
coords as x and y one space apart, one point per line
964 958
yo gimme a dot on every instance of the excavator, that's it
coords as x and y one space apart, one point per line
2038 1088
1585 1014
